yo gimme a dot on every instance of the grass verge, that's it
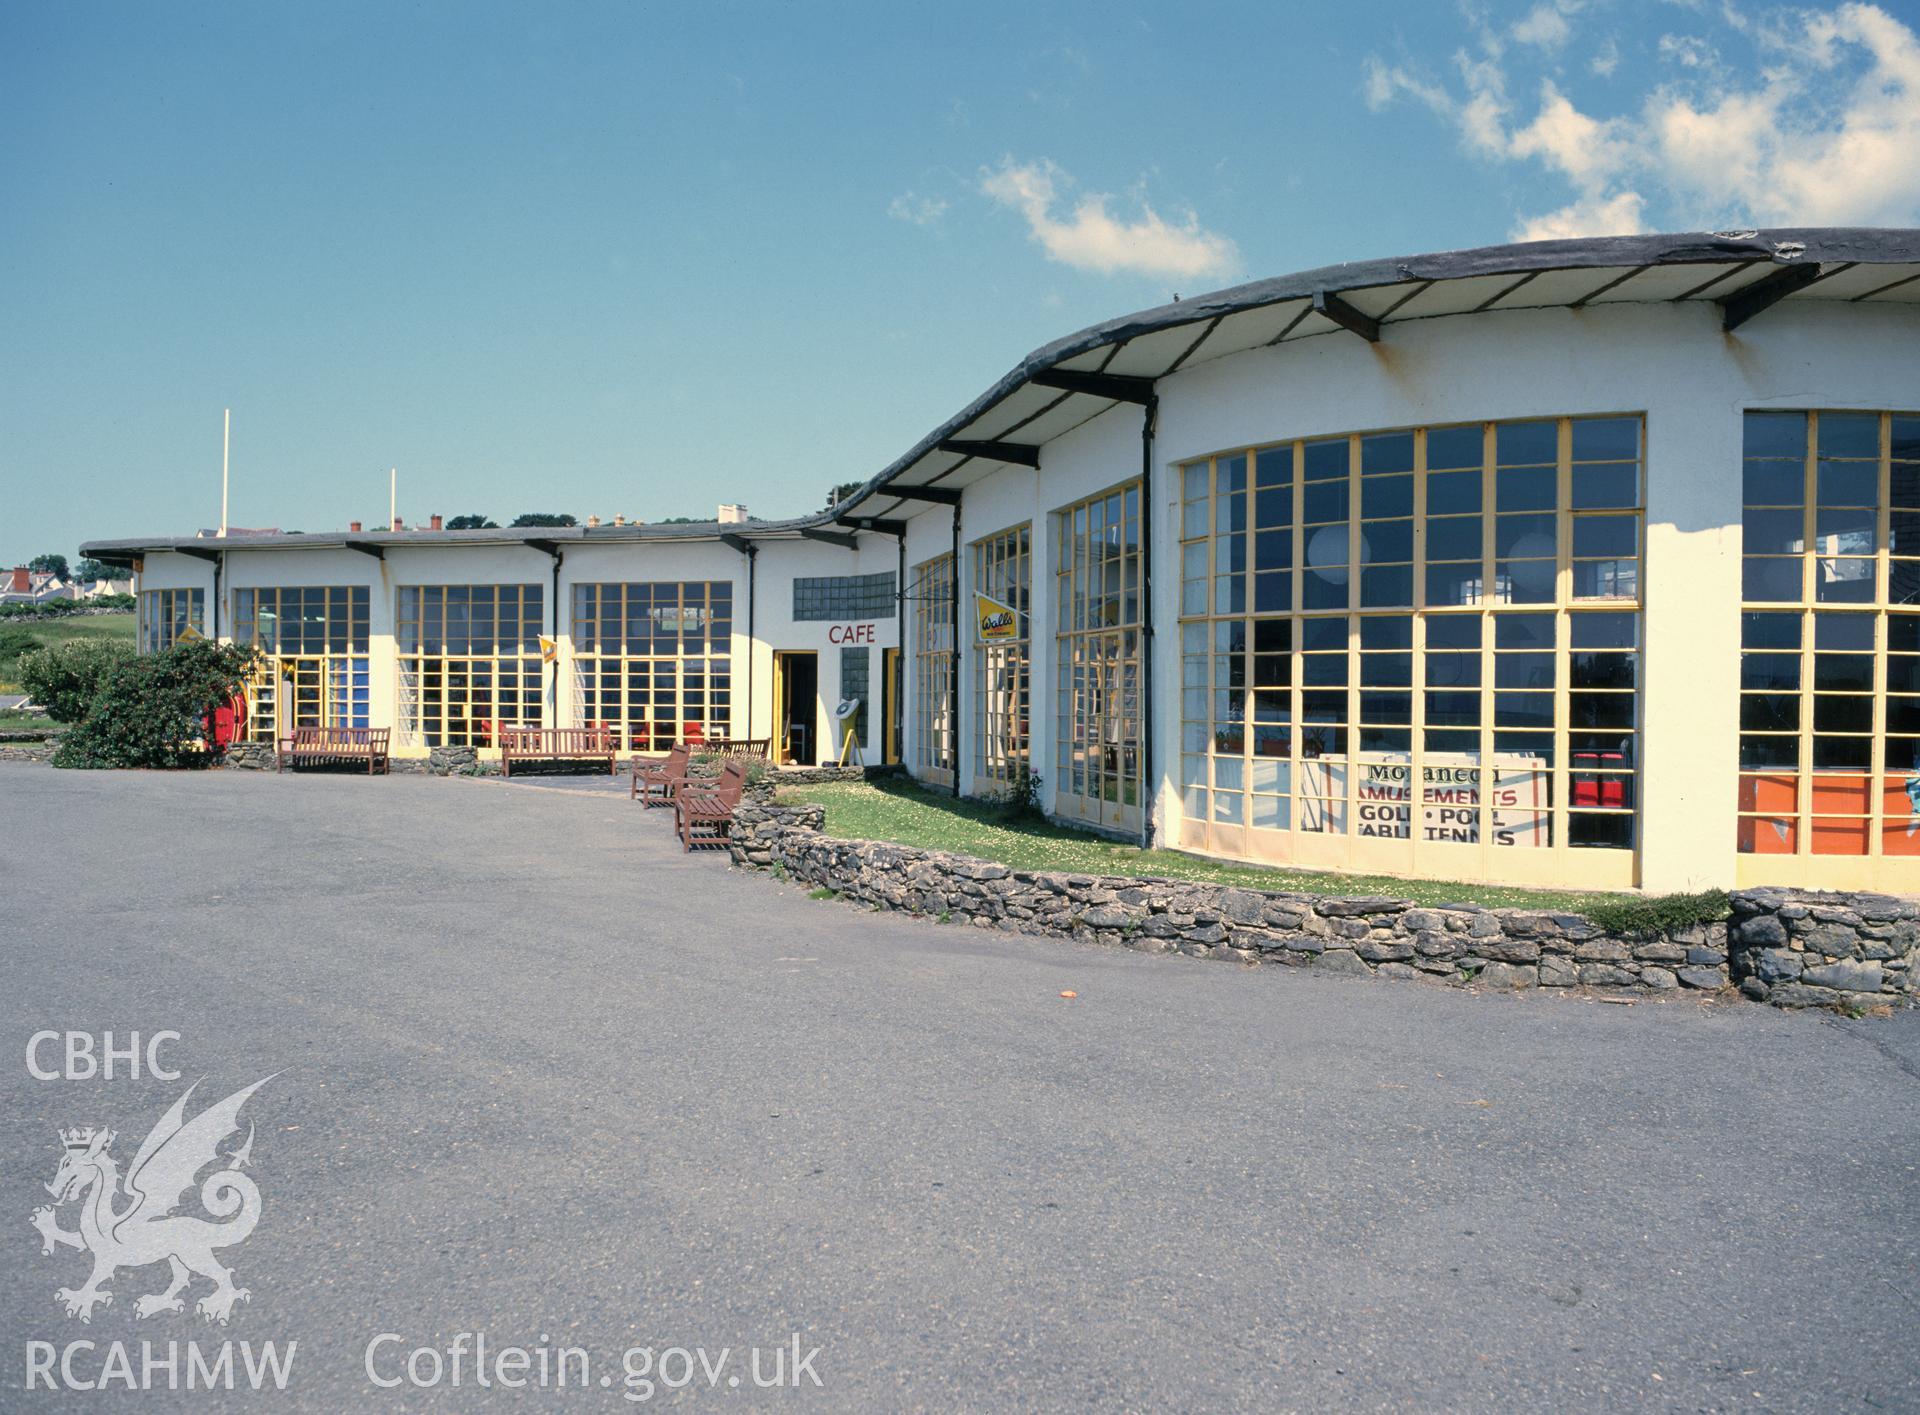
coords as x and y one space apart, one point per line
23 636
906 813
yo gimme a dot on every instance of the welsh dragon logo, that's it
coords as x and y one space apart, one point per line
140 1227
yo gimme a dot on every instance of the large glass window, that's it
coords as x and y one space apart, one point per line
1097 658
934 737
316 669
652 661
469 662
1003 572
164 614
1428 635
1830 635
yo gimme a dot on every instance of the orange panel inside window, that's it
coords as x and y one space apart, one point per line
1840 835
1841 793
1777 791
1768 835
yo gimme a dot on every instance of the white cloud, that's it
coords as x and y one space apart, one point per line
1687 50
1547 25
917 210
1823 127
1606 60
1091 237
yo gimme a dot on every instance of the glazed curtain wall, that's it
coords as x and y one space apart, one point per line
1097 608
653 661
1003 571
1417 648
1830 648
316 640
469 662
934 737
164 613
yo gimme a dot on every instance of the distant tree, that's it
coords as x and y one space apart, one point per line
542 518
842 492
679 521
475 523
94 570
52 564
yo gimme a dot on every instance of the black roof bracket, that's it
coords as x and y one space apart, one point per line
1763 294
365 547
1119 387
1329 304
830 537
938 495
1020 454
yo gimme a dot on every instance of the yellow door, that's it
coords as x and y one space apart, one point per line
779 707
890 710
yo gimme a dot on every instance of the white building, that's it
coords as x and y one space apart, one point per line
1589 563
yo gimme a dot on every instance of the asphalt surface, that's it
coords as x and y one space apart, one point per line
540 1074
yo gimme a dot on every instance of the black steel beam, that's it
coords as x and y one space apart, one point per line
1742 305
549 547
1121 388
878 525
739 543
830 537
938 495
1018 453
198 553
1329 304
366 547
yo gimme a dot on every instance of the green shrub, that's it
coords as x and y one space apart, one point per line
1659 914
150 711
64 677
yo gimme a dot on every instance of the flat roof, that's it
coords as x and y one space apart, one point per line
1073 380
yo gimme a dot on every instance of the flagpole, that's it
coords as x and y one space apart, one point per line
226 450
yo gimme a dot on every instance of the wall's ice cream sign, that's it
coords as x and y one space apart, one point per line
996 620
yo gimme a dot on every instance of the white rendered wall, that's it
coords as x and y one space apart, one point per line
1671 362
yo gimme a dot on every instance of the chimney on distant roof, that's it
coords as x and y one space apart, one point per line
354 527
398 524
592 521
435 523
730 514
619 520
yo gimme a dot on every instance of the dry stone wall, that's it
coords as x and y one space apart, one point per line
1452 943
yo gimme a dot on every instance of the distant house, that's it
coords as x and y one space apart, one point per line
22 585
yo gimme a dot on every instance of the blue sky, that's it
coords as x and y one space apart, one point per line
642 258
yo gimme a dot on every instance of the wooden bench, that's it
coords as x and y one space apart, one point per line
705 816
334 746
653 783
730 747
555 744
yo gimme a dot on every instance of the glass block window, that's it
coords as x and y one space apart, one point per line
844 597
855 683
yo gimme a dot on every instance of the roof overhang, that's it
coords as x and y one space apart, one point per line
1073 380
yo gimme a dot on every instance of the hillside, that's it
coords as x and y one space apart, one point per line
18 637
